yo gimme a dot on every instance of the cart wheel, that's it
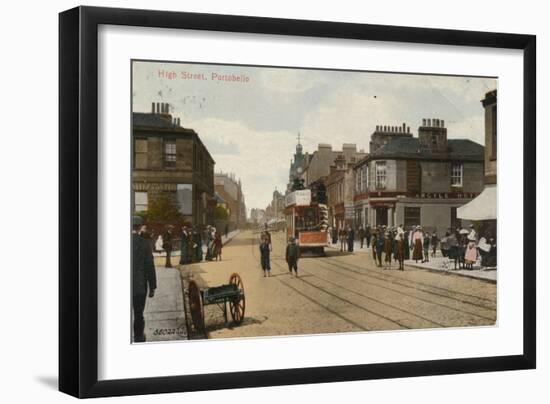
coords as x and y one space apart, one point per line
195 306
237 305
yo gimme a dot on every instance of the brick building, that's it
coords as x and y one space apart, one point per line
172 161
418 180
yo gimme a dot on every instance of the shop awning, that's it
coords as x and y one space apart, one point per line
484 207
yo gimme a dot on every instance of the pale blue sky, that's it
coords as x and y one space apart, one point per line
250 128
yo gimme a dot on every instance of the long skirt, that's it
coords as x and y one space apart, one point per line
417 250
388 250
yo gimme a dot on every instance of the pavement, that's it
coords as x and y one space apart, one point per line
164 313
437 263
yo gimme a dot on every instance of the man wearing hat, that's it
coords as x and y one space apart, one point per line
143 276
167 238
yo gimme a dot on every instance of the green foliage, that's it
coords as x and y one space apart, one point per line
162 209
220 213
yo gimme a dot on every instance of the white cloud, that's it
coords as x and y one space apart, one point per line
262 162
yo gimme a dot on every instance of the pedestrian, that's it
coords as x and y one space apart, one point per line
158 244
433 243
388 246
197 245
361 235
380 242
374 246
406 245
167 245
268 238
368 234
426 246
417 244
184 246
470 255
400 249
350 238
210 232
444 245
264 257
292 255
218 246
454 251
342 236
143 276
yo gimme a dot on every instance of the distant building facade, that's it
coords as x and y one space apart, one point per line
171 161
318 164
230 189
340 192
417 181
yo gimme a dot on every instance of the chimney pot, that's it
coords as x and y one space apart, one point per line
408 129
152 107
158 108
442 123
423 122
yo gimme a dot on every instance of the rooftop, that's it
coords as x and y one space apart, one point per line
406 147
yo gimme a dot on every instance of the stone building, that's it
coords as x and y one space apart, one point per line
339 184
172 161
318 163
275 209
230 189
484 207
418 180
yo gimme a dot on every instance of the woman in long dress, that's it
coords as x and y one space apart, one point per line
417 244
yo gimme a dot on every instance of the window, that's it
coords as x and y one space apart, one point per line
412 216
358 174
140 153
140 201
365 183
169 154
380 172
184 197
457 170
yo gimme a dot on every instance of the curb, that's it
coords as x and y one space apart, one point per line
450 272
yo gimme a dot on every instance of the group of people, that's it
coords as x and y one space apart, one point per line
395 244
463 248
346 237
191 242
292 254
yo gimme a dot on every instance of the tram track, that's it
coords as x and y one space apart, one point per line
423 287
439 304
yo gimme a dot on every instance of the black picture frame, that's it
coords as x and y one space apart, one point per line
78 196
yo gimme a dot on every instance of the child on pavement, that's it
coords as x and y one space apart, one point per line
292 255
264 253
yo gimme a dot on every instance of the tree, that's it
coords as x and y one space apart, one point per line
220 213
163 209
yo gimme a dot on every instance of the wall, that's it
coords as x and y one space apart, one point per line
29 300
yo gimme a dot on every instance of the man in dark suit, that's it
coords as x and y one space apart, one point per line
143 276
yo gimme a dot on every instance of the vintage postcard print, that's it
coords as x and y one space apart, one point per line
272 201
